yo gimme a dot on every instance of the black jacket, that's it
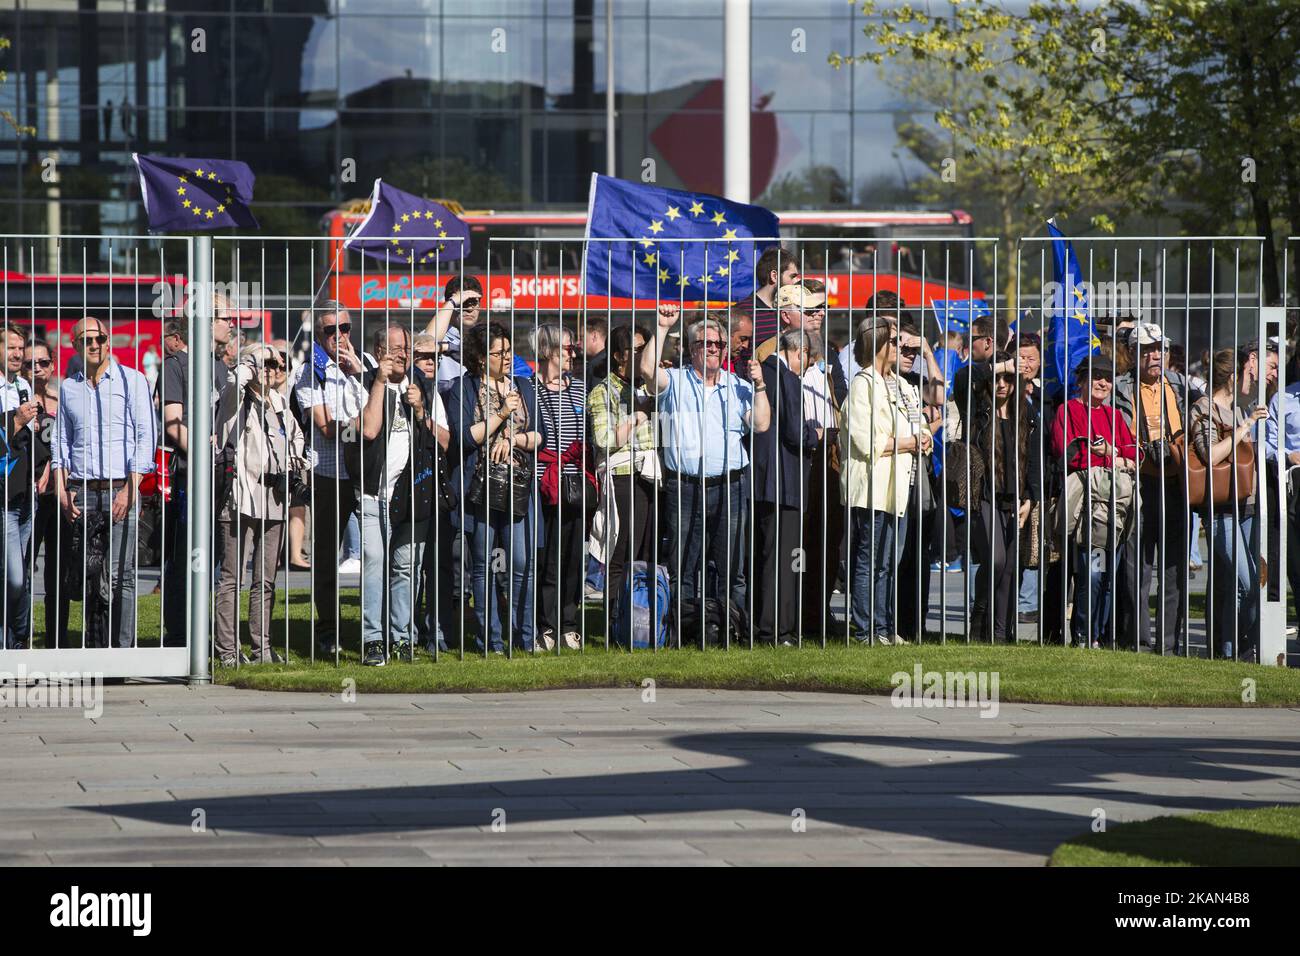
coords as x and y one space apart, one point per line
22 455
783 454
365 459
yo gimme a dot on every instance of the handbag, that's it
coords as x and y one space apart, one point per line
957 457
1224 481
500 487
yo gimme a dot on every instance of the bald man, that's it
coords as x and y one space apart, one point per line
104 444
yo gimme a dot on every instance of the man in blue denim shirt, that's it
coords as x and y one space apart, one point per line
103 445
704 412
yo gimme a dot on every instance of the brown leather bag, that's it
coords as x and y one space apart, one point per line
1198 477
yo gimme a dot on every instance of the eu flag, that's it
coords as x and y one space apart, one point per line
1071 334
184 194
407 229
651 265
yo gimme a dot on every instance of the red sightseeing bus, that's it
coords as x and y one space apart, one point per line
547 276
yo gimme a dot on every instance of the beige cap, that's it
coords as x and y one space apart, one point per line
795 296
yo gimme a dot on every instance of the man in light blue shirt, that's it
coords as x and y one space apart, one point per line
1283 425
104 443
704 413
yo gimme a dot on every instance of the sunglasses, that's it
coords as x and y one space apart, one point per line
343 328
273 366
38 363
469 305
426 356
94 339
710 345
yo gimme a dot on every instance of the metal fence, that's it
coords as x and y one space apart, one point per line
839 501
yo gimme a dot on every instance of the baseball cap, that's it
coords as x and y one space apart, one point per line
795 296
1146 333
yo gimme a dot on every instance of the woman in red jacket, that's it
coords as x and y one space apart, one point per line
1089 433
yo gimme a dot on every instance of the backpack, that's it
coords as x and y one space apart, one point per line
718 628
636 604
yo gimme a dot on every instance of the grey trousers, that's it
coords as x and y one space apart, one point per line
261 542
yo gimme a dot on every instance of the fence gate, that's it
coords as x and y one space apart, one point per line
78 599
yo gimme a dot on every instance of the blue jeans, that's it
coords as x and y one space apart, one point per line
1029 590
1236 598
352 539
1092 591
389 559
874 562
488 538
18 593
710 523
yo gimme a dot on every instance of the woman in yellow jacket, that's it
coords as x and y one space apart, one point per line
881 431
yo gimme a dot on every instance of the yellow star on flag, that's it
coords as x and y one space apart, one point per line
719 218
647 243
706 278
183 179
663 275
1080 317
649 258
196 210
723 270
397 227
729 234
406 217
212 175
672 213
696 208
180 190
732 255
221 208
684 281
442 234
437 224
198 172
208 214
656 226
186 204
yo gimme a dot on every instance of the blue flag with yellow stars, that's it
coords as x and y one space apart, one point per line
653 265
1071 336
184 194
406 229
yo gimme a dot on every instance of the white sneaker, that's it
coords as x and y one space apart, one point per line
573 640
547 640
901 640
350 566
882 640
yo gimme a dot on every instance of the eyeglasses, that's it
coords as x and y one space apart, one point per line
711 345
500 353
343 328
94 339
39 363
426 356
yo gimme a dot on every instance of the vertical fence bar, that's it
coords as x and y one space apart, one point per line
199 504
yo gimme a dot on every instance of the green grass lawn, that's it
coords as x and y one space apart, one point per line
1028 673
1267 836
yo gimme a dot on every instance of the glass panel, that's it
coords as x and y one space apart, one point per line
683 52
285 61
388 62
487 69
790 79
811 168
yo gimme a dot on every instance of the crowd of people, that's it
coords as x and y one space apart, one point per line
763 465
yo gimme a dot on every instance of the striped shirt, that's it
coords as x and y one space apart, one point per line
563 416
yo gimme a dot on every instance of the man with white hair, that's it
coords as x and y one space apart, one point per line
104 444
705 412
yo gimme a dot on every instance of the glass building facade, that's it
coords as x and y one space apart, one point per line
495 103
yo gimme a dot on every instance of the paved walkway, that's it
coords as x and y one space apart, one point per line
696 777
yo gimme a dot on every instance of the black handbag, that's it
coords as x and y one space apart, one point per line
499 488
